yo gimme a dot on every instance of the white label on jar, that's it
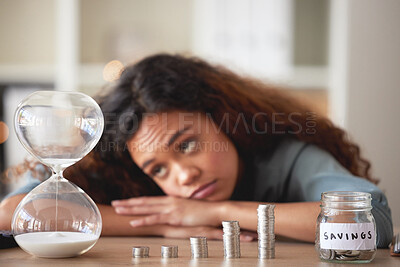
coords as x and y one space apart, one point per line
349 236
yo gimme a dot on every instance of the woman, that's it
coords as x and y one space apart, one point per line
187 145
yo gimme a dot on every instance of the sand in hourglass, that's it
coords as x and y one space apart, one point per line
56 244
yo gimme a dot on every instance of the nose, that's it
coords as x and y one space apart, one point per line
186 174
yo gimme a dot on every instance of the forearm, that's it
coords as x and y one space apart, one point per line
113 224
7 208
293 220
118 225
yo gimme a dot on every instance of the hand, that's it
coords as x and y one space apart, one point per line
170 210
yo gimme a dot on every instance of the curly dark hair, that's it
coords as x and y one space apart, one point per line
163 83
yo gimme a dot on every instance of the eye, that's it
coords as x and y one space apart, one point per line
158 171
188 146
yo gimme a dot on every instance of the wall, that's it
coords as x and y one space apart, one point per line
310 40
27 32
366 85
125 29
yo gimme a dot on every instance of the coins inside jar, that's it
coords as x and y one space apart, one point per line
346 255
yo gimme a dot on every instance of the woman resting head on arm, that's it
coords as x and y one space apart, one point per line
188 144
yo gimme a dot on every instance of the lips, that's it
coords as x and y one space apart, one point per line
204 190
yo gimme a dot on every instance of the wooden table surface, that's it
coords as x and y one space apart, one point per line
118 251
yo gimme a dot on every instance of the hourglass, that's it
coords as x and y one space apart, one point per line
57 219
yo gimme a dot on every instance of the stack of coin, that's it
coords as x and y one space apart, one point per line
199 247
140 252
169 251
231 239
265 230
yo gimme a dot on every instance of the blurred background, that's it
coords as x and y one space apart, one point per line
341 57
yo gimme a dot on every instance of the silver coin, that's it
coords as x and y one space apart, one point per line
266 231
169 251
231 239
140 252
353 253
266 253
348 255
327 254
199 247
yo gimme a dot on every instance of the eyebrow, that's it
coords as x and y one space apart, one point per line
170 142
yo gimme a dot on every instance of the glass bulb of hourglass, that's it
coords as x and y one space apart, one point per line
57 219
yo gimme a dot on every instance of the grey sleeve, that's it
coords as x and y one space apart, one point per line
24 189
316 171
30 181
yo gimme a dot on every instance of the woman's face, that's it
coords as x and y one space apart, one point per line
187 155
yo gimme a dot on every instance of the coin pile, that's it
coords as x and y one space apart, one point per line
345 255
265 230
199 247
140 252
169 251
231 239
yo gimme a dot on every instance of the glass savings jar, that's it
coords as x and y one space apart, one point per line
346 228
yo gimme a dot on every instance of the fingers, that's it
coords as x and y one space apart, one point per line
149 220
139 210
140 205
139 201
214 234
246 238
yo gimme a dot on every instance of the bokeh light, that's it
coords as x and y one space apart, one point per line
4 132
112 70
